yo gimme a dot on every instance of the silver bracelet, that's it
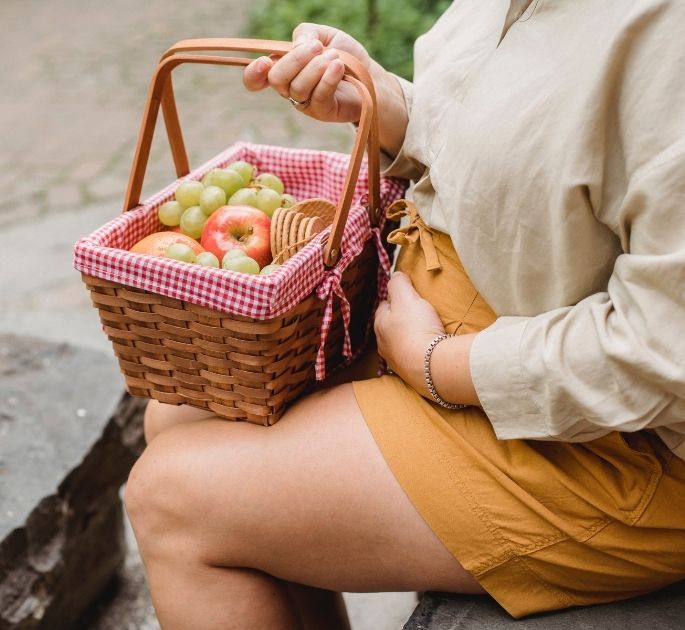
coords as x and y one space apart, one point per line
429 379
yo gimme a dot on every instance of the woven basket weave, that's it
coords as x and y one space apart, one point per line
238 366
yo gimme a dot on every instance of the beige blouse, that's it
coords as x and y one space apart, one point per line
550 145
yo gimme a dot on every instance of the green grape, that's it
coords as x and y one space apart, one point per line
212 198
236 252
287 201
244 197
188 193
245 169
227 179
268 200
243 264
208 179
169 213
267 269
271 181
207 259
180 251
192 221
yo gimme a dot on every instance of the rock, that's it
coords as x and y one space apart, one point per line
662 610
68 437
126 603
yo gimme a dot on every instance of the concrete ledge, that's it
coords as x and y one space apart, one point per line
662 610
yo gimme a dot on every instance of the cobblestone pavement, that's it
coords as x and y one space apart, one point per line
72 89
73 79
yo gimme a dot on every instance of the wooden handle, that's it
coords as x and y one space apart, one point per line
161 93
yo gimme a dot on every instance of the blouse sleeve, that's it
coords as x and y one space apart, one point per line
402 165
615 360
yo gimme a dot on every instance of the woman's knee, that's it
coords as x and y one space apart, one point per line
159 492
170 488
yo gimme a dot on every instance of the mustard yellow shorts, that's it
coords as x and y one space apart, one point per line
541 525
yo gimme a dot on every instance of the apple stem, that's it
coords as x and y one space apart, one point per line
243 238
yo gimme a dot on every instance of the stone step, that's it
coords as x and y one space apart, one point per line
662 610
68 437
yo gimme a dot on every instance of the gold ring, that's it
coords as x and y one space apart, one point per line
299 104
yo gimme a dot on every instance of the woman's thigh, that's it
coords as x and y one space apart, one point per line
309 500
161 416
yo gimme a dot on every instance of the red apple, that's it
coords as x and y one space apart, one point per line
242 227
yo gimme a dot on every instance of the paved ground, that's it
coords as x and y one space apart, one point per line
72 87
73 78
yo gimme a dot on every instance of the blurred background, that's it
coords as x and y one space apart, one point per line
73 81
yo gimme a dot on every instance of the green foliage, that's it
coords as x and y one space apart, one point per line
389 37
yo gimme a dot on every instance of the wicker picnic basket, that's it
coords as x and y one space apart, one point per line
243 346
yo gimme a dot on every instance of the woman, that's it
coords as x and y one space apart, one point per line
547 142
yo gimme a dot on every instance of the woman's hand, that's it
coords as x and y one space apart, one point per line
313 76
310 74
405 325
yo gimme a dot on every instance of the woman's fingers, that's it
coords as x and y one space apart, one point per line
307 30
312 72
291 64
379 319
399 286
305 84
324 94
256 74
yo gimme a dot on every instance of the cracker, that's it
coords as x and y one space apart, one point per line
294 226
301 229
272 231
315 226
279 230
285 233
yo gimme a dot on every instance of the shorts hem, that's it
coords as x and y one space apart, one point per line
499 571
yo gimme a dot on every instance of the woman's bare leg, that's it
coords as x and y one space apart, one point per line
317 608
225 511
160 417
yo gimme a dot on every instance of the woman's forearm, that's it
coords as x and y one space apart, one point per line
393 115
450 370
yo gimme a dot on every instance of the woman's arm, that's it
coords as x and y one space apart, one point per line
311 74
405 325
614 361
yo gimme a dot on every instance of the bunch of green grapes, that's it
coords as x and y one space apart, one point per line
185 253
237 260
238 184
233 260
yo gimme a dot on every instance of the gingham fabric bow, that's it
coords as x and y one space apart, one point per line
331 288
326 291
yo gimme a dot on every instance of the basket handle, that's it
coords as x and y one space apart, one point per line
161 93
353 67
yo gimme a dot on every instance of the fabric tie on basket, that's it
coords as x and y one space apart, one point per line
415 230
331 287
384 270
326 291
384 266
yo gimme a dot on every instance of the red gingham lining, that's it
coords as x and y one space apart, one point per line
305 173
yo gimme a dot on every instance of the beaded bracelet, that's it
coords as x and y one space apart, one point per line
429 378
